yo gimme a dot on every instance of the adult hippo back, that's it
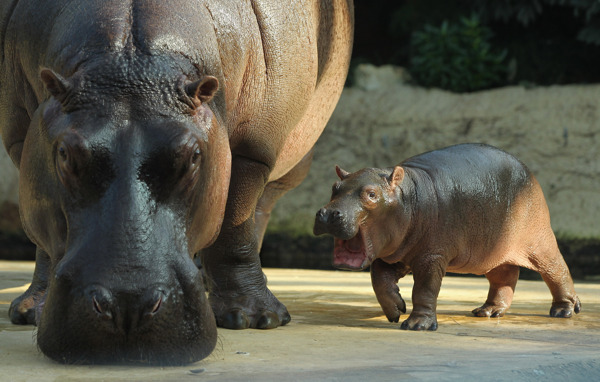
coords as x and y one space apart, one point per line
147 132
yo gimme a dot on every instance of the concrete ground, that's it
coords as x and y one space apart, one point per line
338 332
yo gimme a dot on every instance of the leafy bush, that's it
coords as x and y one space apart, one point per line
527 11
456 57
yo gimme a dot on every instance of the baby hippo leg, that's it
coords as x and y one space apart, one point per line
384 278
558 278
428 272
503 280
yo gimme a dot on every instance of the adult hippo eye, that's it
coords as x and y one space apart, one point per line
196 155
64 160
62 152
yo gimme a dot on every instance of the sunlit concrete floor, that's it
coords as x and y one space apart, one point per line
338 333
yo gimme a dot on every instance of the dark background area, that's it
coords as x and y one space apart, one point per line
549 41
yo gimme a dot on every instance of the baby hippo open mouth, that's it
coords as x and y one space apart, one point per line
350 254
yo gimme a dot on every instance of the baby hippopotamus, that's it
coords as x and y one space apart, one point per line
469 208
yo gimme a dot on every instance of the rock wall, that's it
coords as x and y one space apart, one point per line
554 130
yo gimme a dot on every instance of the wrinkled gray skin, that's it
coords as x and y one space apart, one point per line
468 208
147 132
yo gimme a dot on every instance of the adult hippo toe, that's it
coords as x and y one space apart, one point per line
146 133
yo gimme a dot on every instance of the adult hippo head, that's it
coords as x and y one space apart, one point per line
118 198
151 132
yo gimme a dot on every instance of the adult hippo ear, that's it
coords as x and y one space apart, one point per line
209 203
203 90
56 85
396 177
343 174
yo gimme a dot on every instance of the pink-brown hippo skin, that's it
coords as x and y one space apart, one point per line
151 132
469 208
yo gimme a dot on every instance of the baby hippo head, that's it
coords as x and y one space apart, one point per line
361 215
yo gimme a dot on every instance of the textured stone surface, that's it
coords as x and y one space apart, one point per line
554 130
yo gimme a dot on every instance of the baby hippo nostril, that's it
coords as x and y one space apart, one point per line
334 217
322 215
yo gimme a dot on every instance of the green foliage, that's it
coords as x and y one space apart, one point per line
456 57
590 9
524 11
527 11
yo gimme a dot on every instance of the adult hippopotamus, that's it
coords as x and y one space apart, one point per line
148 132
469 208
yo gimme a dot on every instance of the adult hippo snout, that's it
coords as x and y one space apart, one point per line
164 319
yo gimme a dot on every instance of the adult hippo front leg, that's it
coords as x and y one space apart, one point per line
238 291
22 309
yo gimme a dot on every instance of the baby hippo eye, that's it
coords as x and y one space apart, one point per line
370 194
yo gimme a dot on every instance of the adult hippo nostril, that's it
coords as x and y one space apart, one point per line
152 301
102 302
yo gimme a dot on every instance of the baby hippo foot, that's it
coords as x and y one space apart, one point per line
565 309
489 310
22 310
392 304
261 311
420 321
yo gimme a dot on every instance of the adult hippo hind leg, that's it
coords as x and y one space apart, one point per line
503 280
22 310
275 190
238 291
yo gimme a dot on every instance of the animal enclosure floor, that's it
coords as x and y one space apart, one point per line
338 333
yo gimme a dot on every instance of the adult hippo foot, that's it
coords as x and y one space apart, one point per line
22 310
489 310
565 309
420 322
260 311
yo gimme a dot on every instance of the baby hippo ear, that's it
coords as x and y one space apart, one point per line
343 174
202 90
396 178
